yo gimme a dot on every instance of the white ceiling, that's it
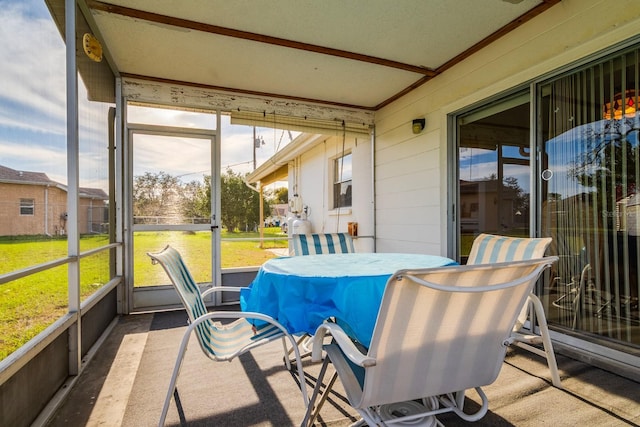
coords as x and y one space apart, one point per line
354 53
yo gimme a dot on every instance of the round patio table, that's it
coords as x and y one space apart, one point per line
302 292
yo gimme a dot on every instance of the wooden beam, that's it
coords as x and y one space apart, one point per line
246 35
546 4
143 89
427 73
266 95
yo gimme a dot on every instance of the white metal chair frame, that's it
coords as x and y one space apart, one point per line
488 248
390 372
246 335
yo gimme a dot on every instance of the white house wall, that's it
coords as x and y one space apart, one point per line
314 186
411 170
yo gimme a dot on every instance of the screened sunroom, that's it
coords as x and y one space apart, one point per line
123 123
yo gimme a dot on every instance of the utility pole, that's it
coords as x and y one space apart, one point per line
255 143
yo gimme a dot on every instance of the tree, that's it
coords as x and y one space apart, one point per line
155 194
162 195
196 199
603 165
520 198
240 205
608 168
281 195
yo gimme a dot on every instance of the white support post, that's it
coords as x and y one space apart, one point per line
73 244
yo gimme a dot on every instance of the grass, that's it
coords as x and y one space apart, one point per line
195 248
29 304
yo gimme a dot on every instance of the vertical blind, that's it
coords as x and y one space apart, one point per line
589 124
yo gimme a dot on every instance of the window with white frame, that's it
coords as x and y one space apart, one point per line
342 177
27 207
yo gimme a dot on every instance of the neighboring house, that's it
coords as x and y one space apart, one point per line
332 176
487 207
629 214
31 203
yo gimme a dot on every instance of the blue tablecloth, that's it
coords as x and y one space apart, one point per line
301 292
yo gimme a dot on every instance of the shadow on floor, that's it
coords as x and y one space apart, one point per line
126 383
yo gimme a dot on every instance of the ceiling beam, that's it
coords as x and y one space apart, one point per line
246 35
546 4
427 73
143 89
265 95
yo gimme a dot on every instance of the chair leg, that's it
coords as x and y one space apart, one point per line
546 340
579 300
298 359
174 377
302 343
323 398
455 403
176 398
287 362
312 412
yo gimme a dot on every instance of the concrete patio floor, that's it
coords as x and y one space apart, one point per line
126 382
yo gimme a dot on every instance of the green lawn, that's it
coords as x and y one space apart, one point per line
30 304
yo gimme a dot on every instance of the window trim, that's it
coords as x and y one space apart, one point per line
335 181
27 204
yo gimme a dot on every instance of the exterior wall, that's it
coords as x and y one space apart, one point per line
317 180
412 170
50 203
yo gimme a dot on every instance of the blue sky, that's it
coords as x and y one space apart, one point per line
33 106
477 164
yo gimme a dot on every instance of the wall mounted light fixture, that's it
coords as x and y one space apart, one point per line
418 125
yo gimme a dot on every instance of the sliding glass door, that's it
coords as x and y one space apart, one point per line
494 171
588 128
578 185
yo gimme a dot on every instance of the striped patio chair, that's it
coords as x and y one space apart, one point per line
222 335
490 248
316 244
424 353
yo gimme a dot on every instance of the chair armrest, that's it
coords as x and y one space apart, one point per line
222 289
247 315
344 342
